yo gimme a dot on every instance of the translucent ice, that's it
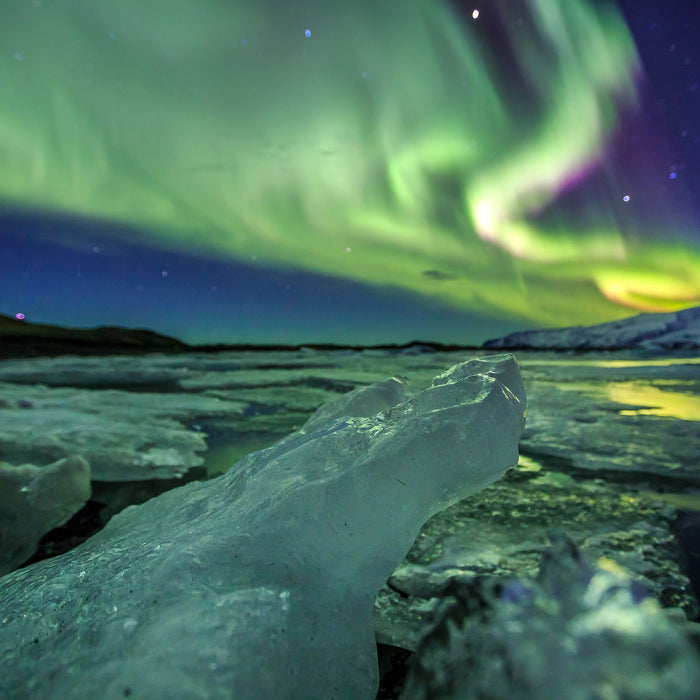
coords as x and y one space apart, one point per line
260 584
34 500
578 632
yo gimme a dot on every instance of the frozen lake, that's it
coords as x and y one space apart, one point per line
610 412
610 456
630 421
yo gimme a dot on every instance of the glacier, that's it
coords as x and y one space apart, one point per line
261 583
678 330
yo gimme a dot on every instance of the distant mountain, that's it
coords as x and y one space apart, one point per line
679 330
25 339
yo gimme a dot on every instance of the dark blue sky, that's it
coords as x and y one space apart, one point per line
94 277
82 273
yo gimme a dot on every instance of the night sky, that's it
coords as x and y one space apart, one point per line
348 172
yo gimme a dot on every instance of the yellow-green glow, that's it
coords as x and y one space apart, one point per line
654 401
660 279
390 146
644 399
681 501
665 362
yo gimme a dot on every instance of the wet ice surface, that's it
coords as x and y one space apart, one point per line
610 456
277 562
611 414
575 631
610 453
604 412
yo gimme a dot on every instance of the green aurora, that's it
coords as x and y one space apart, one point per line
398 145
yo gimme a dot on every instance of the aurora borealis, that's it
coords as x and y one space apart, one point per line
479 163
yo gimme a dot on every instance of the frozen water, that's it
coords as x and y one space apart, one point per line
365 401
577 632
78 436
615 415
122 435
260 584
603 415
502 531
35 500
630 420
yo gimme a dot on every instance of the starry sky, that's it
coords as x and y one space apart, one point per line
348 172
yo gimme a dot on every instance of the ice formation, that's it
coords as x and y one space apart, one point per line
577 632
123 435
34 500
260 583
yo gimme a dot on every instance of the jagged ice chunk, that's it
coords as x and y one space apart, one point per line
260 583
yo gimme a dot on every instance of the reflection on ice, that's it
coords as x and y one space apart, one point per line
606 412
611 364
652 401
609 456
661 362
682 501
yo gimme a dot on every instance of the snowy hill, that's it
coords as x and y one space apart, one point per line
679 330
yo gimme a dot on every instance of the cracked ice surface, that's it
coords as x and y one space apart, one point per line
123 435
157 416
263 579
55 441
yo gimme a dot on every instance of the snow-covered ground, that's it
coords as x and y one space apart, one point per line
678 330
610 455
